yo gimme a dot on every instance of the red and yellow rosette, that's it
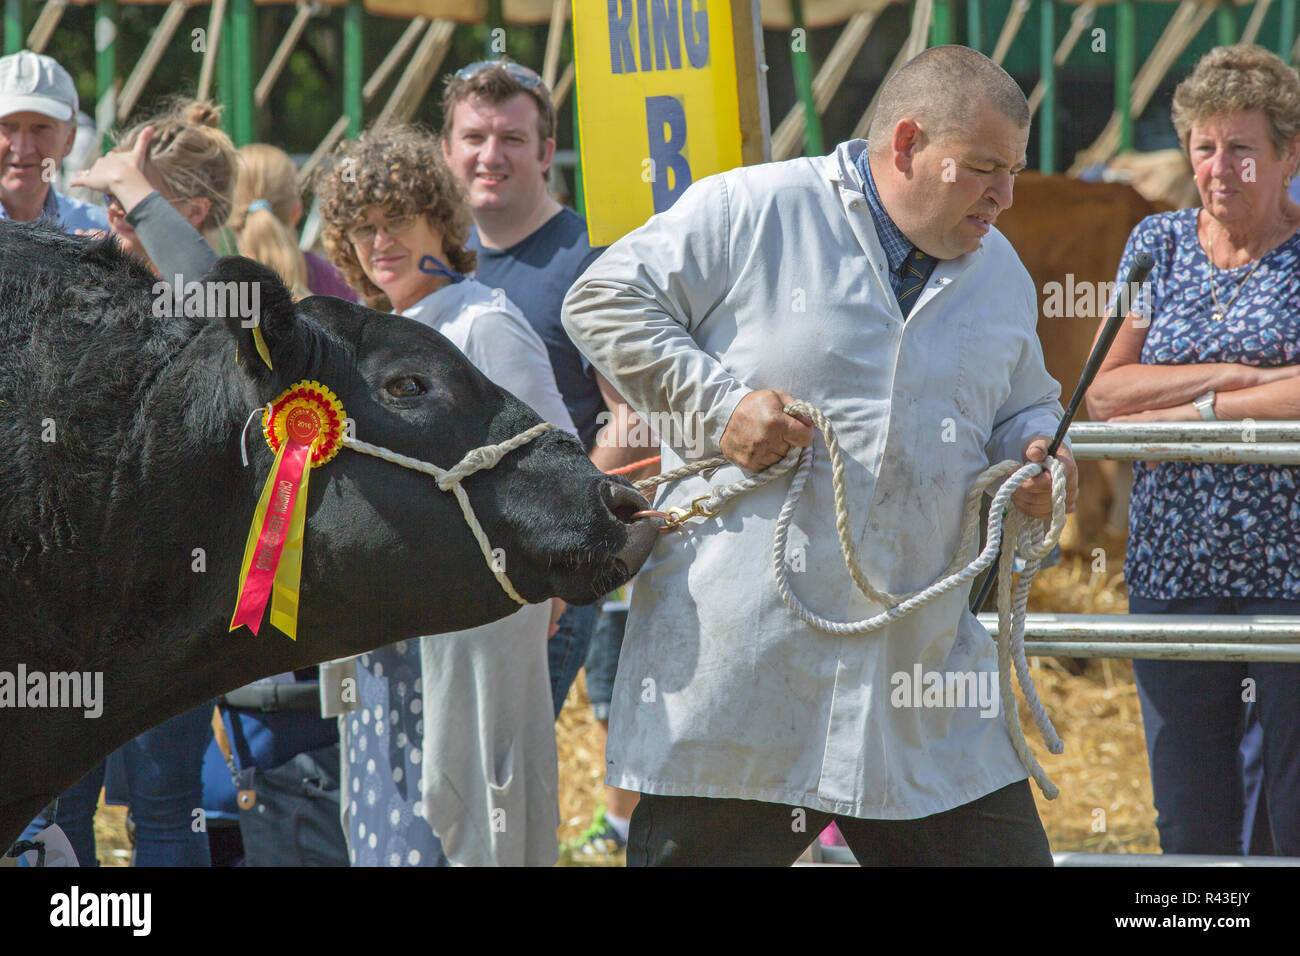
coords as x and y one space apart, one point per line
304 428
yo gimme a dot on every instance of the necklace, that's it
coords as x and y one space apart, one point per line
1220 311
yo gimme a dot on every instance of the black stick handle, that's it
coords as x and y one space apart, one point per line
1137 274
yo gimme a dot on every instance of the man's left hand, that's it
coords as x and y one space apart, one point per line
1034 497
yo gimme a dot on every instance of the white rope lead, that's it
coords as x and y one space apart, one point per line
1033 538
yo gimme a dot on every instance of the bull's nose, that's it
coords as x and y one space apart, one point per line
622 500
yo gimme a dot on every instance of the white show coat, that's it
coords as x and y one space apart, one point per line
489 767
773 277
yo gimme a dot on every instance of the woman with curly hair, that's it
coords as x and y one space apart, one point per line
1218 338
451 756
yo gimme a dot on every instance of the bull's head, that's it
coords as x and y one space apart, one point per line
384 546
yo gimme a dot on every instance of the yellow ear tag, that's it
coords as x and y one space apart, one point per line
260 342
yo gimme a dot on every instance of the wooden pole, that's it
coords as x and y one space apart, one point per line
789 134
801 64
149 60
1182 28
1080 20
281 56
563 85
554 40
1015 17
216 18
1047 69
751 84
43 28
395 56
376 82
914 44
1258 12
419 73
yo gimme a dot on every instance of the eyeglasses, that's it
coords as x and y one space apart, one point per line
365 232
516 71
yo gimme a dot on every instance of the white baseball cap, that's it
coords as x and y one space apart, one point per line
36 83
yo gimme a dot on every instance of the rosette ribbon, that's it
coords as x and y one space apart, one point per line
304 427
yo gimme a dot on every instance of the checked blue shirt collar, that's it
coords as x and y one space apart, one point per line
909 267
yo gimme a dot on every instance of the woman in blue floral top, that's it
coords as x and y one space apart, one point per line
1222 342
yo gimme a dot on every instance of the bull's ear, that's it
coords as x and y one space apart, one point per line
256 307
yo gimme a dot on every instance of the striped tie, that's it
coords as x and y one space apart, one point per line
915 273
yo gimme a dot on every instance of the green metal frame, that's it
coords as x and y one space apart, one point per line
495 18
801 64
236 60
942 28
974 25
1225 20
15 39
1286 29
1047 69
1125 67
105 57
353 67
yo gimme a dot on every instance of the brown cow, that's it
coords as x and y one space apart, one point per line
1072 233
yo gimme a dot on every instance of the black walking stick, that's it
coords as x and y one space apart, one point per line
1137 274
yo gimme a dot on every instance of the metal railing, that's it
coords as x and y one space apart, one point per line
1246 637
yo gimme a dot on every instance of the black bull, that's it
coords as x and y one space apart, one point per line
124 507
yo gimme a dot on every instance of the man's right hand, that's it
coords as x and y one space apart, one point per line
760 434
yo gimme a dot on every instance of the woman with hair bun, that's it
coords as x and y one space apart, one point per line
178 168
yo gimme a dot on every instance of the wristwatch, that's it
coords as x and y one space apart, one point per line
1205 405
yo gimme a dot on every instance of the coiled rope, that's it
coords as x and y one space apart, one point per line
1033 539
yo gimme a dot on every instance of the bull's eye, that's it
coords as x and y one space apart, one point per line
405 387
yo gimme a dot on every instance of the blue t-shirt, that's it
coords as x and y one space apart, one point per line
536 273
1214 530
69 213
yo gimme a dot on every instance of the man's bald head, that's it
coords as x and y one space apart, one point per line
936 89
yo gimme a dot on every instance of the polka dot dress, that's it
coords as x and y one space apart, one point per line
387 825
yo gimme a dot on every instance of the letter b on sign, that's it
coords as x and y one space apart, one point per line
665 120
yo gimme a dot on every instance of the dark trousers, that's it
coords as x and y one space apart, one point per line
1194 716
999 829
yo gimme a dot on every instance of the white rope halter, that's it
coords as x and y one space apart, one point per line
1020 529
479 459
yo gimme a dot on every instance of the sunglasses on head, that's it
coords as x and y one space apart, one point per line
516 71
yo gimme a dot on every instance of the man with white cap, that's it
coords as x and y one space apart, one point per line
38 108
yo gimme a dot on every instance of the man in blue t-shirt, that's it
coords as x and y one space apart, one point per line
498 137
38 110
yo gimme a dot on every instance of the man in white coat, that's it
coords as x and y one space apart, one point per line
872 284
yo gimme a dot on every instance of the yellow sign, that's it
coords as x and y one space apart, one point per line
658 105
